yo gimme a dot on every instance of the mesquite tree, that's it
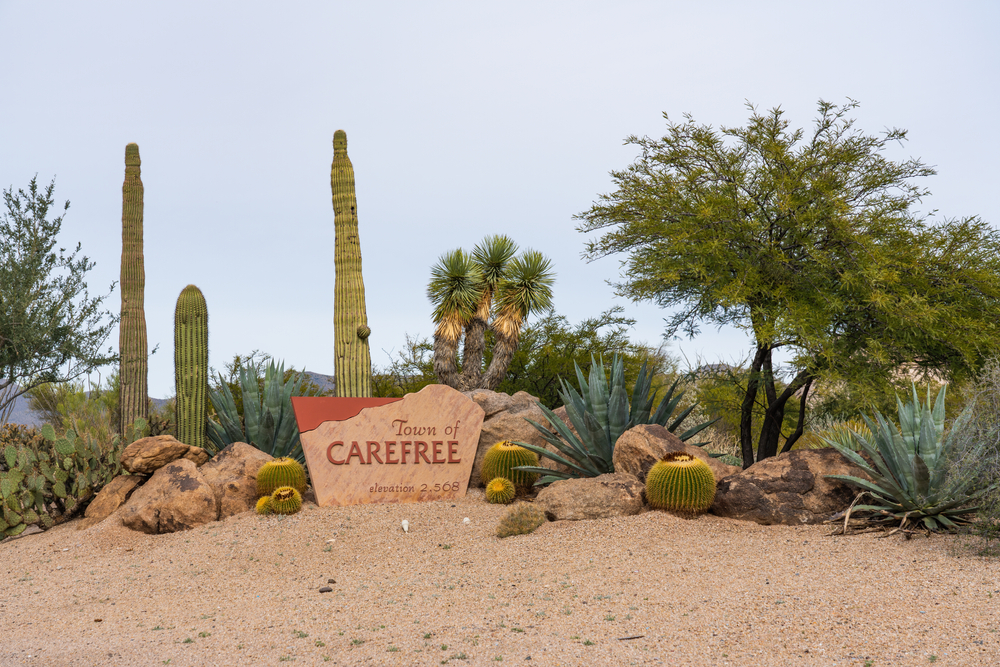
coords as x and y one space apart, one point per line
810 244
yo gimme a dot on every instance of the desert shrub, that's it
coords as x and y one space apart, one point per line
977 454
521 519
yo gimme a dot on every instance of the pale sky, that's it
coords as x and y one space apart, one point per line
463 119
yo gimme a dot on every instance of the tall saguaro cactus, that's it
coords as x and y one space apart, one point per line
191 365
352 358
133 400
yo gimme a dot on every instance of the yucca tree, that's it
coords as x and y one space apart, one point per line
492 257
526 288
489 288
455 289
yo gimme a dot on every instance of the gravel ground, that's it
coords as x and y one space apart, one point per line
652 589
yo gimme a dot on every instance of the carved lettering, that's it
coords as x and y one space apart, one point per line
355 451
421 453
389 454
452 444
329 453
378 446
437 451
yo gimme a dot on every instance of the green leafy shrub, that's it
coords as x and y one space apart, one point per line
912 481
600 413
46 480
521 519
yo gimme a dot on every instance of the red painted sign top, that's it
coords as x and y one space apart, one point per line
311 411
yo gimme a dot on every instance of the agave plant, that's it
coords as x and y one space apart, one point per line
600 414
909 470
268 422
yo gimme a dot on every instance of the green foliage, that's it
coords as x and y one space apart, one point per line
410 371
191 366
521 519
680 482
52 331
809 243
490 288
976 455
352 357
549 347
502 460
256 364
268 421
910 467
600 413
500 491
46 480
280 472
132 347
286 500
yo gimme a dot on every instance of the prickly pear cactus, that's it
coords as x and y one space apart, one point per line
191 366
280 472
500 460
264 505
46 480
521 519
500 491
681 483
352 357
286 500
133 400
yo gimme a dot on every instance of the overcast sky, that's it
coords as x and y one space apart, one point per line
463 119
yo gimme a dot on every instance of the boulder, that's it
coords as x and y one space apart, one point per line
175 498
639 448
790 489
505 420
613 494
232 474
146 455
114 494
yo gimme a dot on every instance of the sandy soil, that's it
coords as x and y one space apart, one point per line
653 589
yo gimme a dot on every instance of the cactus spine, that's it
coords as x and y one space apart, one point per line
286 500
520 519
264 505
680 482
133 401
500 491
352 358
191 365
500 460
280 472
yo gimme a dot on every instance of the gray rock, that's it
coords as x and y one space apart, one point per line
614 494
790 489
232 474
175 498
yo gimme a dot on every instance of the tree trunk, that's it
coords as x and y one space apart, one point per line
507 339
472 355
770 432
746 410
446 359
790 441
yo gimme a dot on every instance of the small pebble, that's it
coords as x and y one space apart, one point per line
331 581
465 520
326 589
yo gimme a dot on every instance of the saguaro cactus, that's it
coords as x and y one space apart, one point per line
133 401
191 365
352 358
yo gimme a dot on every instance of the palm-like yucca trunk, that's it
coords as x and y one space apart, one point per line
475 344
507 327
446 352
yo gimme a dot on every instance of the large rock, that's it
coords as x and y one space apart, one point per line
114 494
232 474
505 420
147 455
790 489
639 448
176 497
614 494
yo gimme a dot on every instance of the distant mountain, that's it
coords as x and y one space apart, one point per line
324 382
22 414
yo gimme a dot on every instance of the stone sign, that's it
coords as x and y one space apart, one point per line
389 450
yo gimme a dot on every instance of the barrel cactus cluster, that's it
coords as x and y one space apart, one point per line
681 483
280 484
